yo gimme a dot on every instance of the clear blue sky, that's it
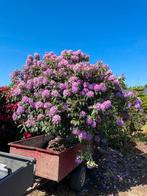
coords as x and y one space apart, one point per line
114 31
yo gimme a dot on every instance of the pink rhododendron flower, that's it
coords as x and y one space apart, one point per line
66 93
90 94
28 100
48 72
56 119
14 116
30 122
128 94
93 124
36 56
74 89
105 105
111 78
97 106
89 121
20 110
55 93
63 86
47 105
83 135
46 93
38 105
76 132
29 84
40 117
82 114
53 110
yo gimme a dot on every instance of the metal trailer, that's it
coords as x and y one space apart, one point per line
28 159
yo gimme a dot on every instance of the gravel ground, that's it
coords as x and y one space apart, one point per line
118 174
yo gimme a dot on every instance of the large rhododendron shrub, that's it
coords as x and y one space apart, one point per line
66 95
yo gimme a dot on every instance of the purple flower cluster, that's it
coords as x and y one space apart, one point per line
82 114
30 122
29 84
97 106
53 110
82 135
48 72
29 60
129 105
49 57
56 119
128 94
36 56
27 100
20 110
75 87
106 105
55 93
47 105
15 76
40 117
111 78
38 81
16 92
66 93
103 106
100 87
14 116
74 56
39 105
46 93
91 122
90 94
138 104
21 84
63 86
120 122
62 63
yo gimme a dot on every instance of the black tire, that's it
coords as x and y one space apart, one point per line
77 178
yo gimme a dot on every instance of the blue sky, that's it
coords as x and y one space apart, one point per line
114 31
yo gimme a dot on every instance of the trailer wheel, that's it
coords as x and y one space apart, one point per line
77 179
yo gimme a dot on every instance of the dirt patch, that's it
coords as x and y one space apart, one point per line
135 191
